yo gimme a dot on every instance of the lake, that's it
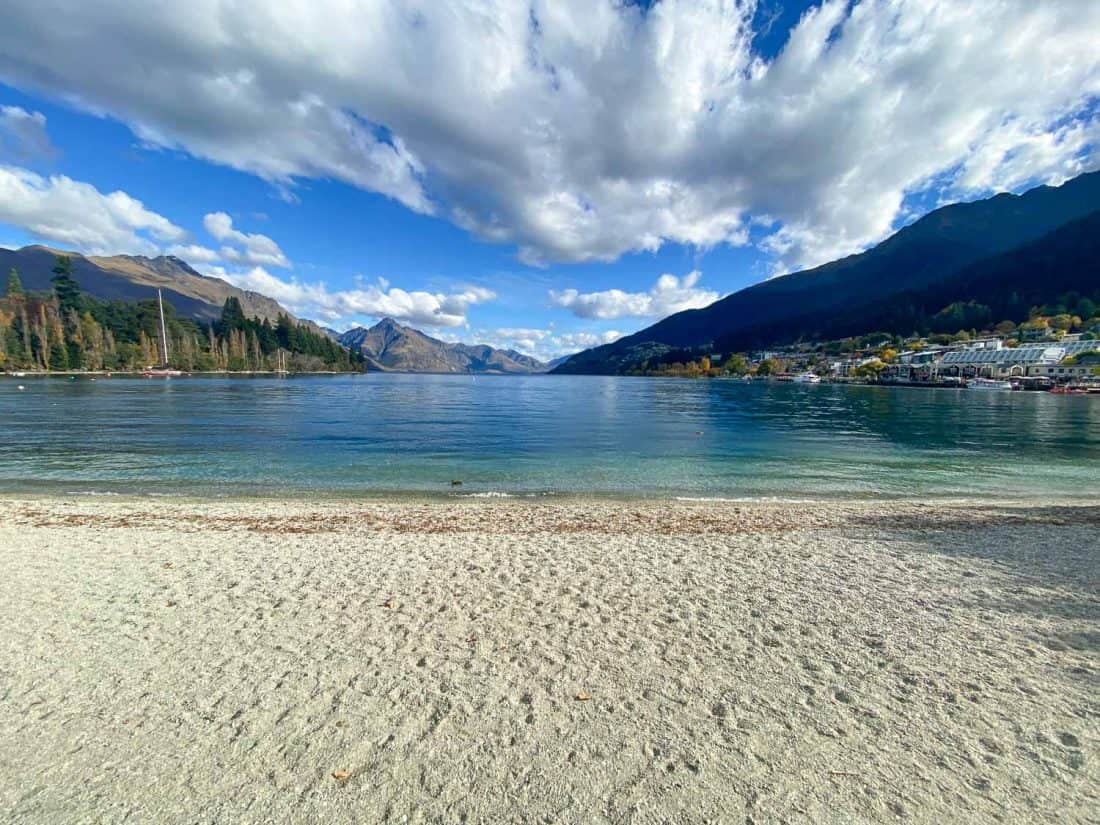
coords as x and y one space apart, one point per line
539 435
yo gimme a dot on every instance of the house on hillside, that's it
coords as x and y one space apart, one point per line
1035 331
984 343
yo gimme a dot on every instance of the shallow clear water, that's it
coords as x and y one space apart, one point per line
540 434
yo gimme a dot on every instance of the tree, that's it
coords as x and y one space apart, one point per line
15 286
870 370
232 317
36 334
1064 321
65 286
769 366
736 364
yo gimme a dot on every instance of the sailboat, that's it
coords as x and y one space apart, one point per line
163 371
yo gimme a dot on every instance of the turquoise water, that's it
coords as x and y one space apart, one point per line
539 435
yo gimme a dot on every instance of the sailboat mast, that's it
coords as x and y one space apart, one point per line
163 331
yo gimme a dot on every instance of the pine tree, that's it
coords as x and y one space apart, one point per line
15 286
22 325
232 317
64 286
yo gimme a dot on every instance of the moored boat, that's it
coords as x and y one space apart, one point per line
163 371
807 378
988 384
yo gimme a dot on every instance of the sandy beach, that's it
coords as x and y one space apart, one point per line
548 661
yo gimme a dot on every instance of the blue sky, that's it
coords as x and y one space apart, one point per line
537 175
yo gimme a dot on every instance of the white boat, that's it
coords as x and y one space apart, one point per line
163 371
807 378
988 384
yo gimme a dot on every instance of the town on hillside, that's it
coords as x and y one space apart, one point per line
1059 353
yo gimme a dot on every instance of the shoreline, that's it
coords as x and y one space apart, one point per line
521 517
306 499
184 373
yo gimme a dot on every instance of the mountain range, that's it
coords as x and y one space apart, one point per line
1005 254
388 345
391 347
132 278
1008 249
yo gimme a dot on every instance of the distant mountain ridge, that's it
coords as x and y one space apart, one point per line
921 258
133 278
391 347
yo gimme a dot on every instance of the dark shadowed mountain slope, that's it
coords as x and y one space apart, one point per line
803 304
392 347
1002 287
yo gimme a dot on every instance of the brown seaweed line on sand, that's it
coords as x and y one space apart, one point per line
661 520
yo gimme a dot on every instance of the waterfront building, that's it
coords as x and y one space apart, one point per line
1001 363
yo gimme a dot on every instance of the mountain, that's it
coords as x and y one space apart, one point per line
133 278
805 305
1001 287
392 347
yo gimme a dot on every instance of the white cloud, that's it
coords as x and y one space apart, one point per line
193 253
78 216
583 340
1020 152
670 294
544 344
348 307
582 129
23 135
259 250
519 333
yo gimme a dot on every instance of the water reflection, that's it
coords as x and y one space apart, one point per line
541 433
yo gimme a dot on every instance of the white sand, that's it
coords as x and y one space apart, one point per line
184 662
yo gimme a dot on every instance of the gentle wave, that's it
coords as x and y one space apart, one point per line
749 499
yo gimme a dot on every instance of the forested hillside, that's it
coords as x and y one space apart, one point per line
64 329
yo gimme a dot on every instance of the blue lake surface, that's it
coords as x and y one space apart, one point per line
377 433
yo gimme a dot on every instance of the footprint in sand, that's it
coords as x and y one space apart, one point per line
1069 740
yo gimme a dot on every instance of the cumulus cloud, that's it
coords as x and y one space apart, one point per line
346 307
670 294
544 344
78 216
259 250
582 129
23 135
194 253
